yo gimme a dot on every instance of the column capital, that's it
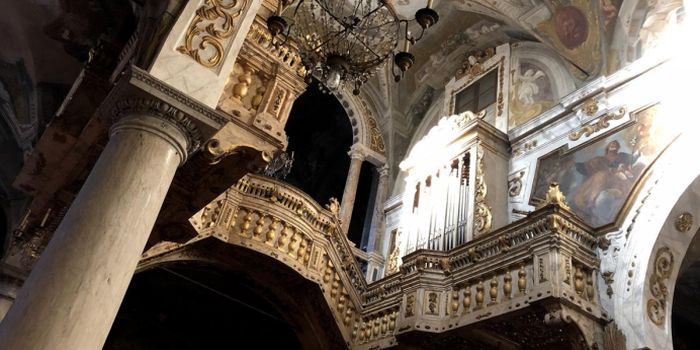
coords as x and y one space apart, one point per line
383 171
358 151
139 108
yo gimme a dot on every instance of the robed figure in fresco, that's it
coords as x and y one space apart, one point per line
598 177
608 179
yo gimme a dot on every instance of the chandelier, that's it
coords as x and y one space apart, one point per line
345 41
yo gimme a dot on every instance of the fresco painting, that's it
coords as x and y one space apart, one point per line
598 176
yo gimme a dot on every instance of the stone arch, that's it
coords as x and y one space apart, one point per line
645 254
365 127
297 298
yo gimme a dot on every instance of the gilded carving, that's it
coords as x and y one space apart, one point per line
482 212
600 124
472 64
499 102
590 107
663 266
515 184
286 54
211 26
554 197
528 146
684 222
376 139
393 261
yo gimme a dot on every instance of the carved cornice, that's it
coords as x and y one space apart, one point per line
164 111
153 82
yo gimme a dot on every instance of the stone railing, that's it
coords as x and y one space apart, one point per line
548 256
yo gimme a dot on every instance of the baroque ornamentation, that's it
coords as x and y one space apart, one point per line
160 109
501 74
203 32
473 63
554 196
333 206
376 140
482 212
393 261
515 184
663 266
608 278
684 222
590 107
286 54
528 146
600 124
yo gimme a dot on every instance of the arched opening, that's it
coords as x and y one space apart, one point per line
361 221
320 136
685 315
196 307
226 297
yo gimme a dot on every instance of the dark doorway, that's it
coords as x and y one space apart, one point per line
361 220
685 317
320 135
181 307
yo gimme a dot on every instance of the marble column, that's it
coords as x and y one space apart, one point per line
72 295
357 156
375 233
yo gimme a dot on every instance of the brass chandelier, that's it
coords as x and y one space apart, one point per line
345 41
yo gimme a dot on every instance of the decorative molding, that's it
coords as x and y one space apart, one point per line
376 142
473 63
600 124
211 14
554 197
528 146
608 279
286 54
500 102
590 107
177 95
482 212
162 110
515 184
684 222
663 266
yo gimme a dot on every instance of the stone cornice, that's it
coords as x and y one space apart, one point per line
159 109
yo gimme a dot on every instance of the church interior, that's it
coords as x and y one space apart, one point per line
349 174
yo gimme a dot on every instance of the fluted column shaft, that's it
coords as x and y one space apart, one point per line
356 159
71 297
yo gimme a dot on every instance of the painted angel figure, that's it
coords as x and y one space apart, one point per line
528 86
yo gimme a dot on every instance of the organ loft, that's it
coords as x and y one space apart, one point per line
338 174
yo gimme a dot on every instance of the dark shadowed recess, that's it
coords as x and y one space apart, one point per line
186 308
320 135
